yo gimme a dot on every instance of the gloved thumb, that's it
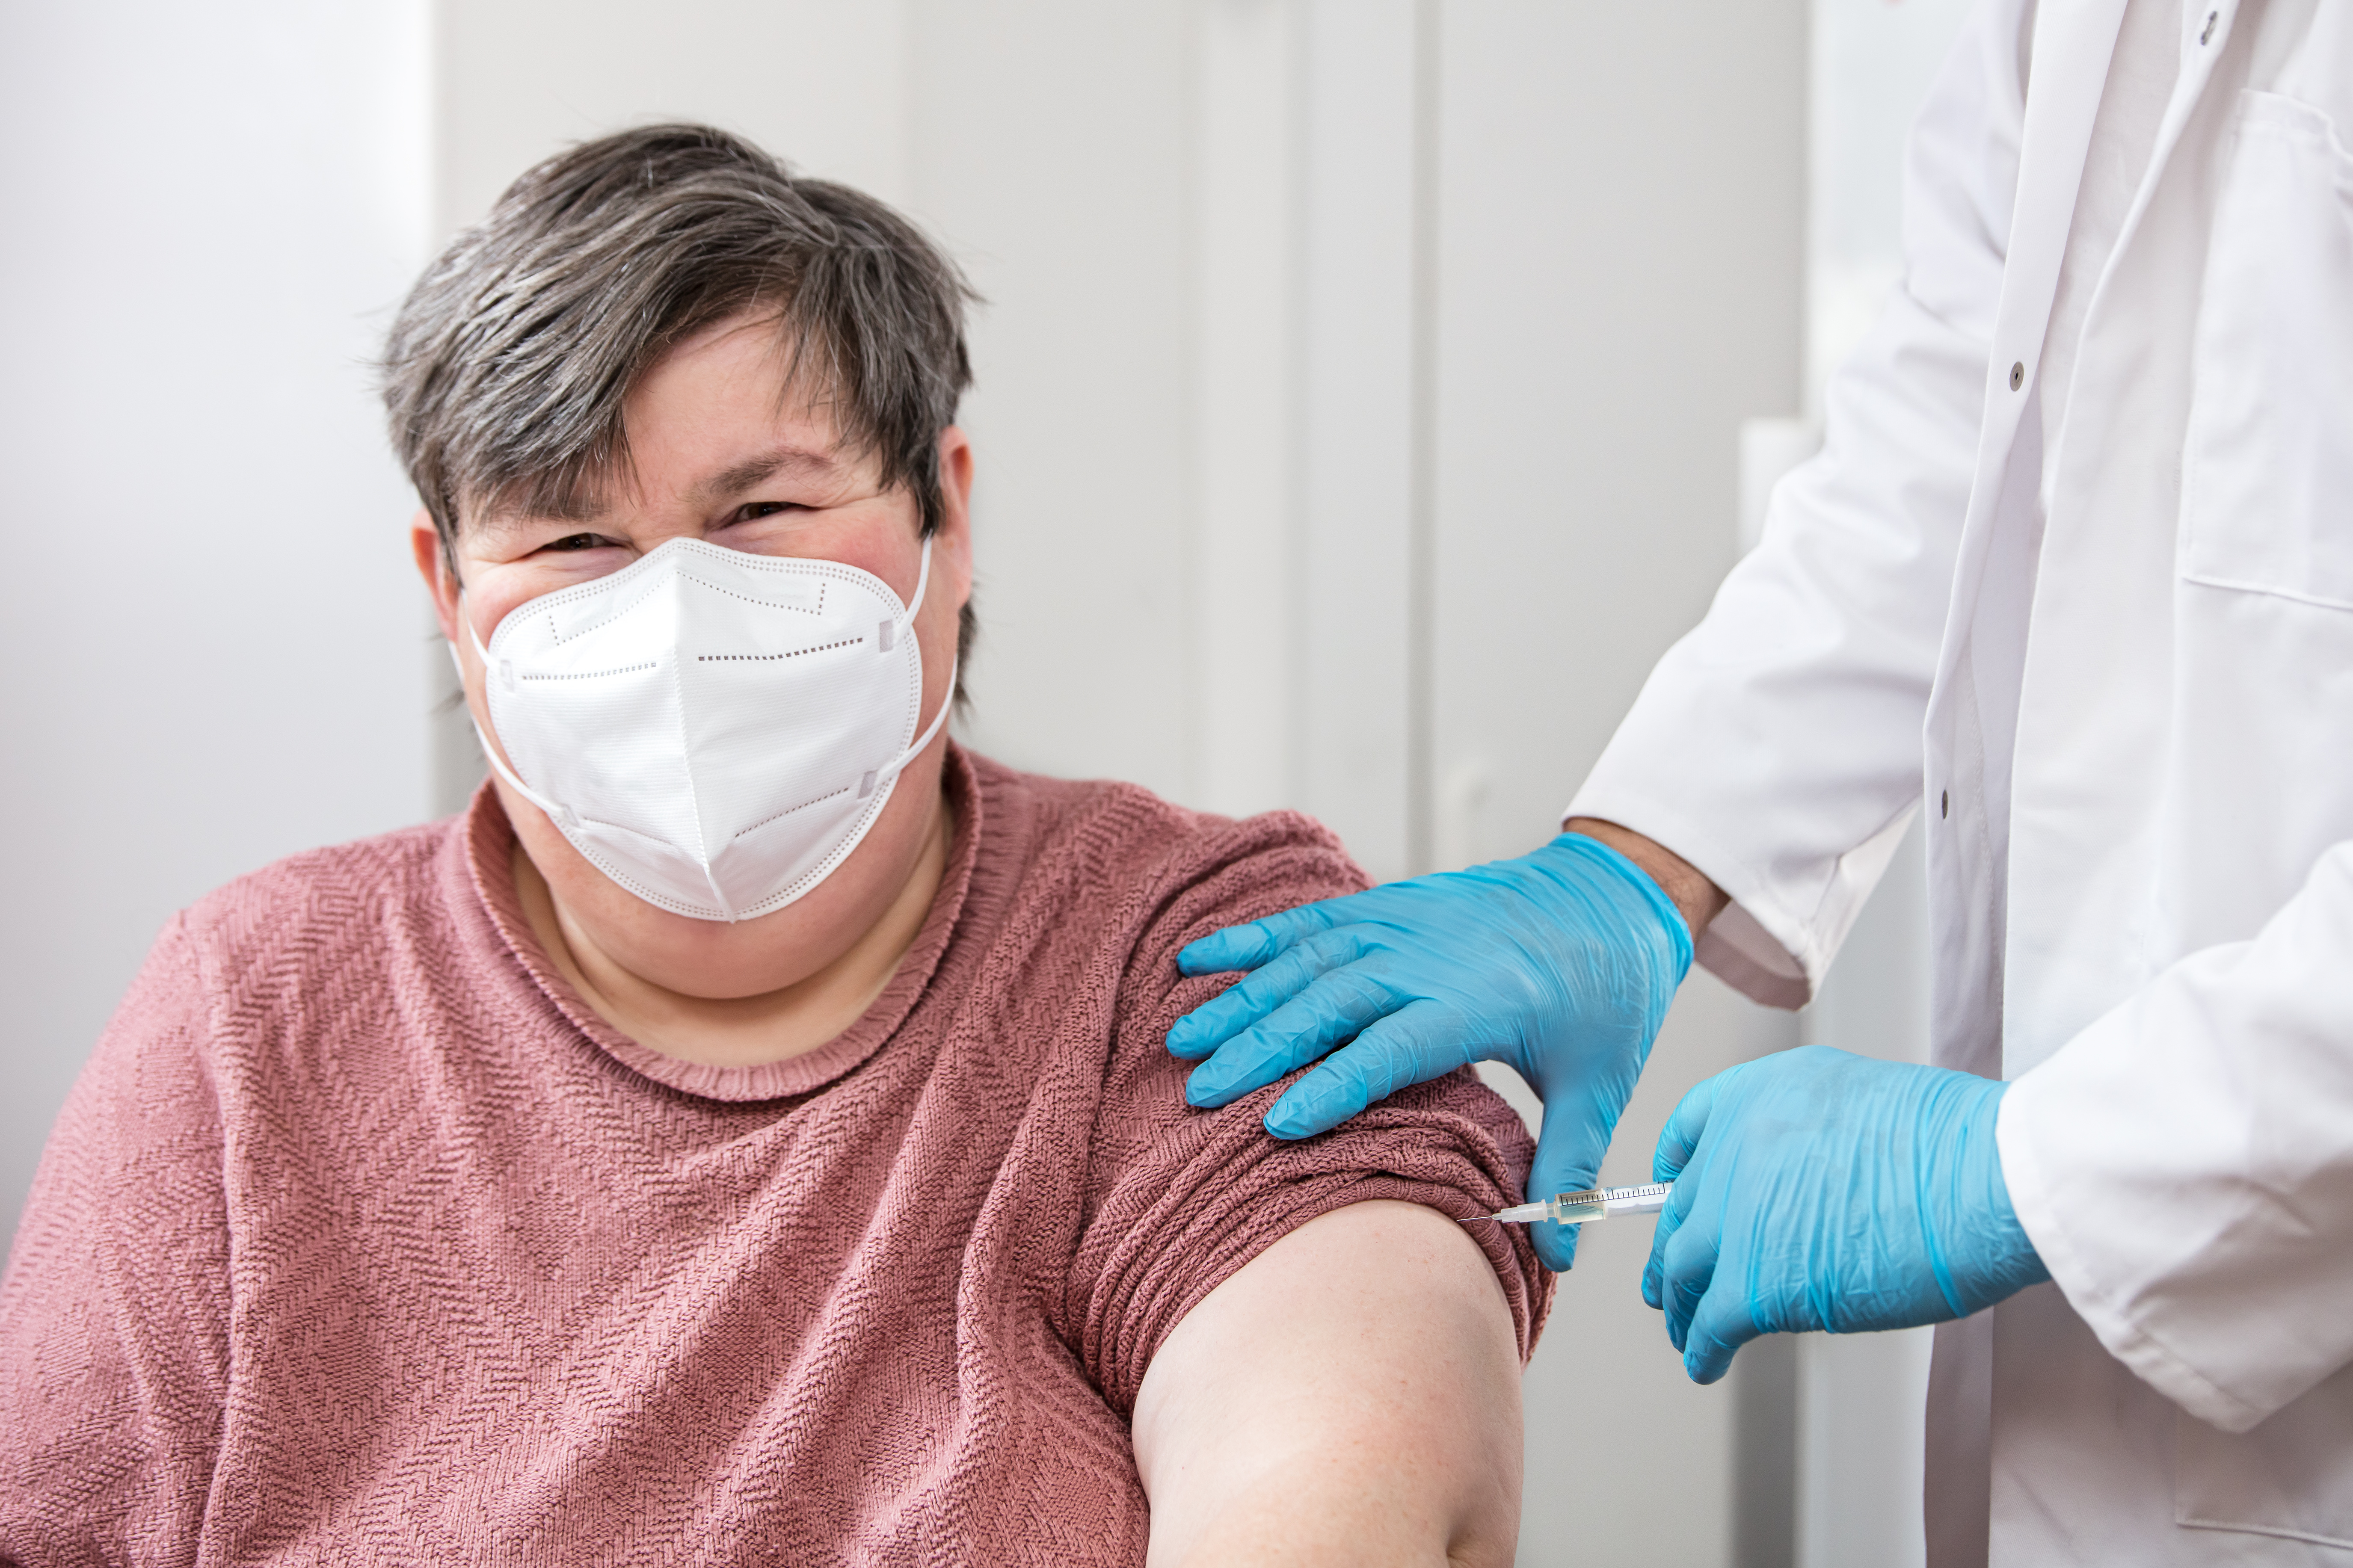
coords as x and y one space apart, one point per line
1569 1147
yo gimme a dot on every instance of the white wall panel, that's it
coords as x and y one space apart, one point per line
209 619
1355 406
1620 209
1245 545
822 83
1053 152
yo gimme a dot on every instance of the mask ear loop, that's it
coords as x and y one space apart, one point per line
873 780
922 584
557 811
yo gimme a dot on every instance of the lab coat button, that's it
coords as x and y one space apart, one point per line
1944 804
2206 36
2017 375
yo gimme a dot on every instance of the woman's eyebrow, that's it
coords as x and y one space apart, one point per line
793 462
506 521
589 507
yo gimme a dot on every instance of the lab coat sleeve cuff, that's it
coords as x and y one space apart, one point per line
2018 1126
1754 946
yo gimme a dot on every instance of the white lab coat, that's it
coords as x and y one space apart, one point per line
2137 771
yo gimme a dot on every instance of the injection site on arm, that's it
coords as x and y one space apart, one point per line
1351 1397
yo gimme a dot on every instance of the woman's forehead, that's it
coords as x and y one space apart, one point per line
721 415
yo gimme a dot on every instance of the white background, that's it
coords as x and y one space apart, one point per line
212 656
1302 483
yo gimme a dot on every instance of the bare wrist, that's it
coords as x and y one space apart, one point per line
1686 887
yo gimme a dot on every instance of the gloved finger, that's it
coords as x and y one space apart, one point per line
1687 1169
1250 999
1251 944
1686 1127
1719 1326
1332 1010
1569 1147
1687 1268
1421 1041
1555 1244
1671 1219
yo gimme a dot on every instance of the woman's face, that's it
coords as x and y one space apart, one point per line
721 451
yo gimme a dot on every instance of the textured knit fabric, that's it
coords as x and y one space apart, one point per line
363 1240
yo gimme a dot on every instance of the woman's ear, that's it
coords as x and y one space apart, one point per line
955 538
433 565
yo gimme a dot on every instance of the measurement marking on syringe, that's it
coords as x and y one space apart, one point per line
1591 1203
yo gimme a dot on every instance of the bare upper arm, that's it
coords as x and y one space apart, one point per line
1352 1395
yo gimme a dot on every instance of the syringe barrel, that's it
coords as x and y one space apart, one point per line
1605 1203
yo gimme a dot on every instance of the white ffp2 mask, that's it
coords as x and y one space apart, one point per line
714 731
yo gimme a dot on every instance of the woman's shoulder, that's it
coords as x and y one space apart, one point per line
314 907
1120 853
309 948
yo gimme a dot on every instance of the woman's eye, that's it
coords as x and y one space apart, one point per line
575 541
758 509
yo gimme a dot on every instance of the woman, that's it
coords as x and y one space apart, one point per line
745 1135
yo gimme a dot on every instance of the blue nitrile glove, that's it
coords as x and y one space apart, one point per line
1561 963
1816 1189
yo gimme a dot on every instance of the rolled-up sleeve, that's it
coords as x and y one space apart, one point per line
1181 1199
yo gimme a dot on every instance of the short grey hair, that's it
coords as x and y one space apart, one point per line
506 368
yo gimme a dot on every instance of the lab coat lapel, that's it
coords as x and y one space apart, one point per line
2069 65
2073 44
2208 32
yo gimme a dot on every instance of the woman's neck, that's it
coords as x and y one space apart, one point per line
747 1031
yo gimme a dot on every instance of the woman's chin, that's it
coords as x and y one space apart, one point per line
715 961
619 940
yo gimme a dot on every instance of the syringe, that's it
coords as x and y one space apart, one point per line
1593 1202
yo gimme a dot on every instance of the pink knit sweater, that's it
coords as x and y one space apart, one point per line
361 1239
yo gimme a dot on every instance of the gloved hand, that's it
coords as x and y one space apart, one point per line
1561 963
1816 1189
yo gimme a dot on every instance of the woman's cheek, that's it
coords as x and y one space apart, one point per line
500 591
